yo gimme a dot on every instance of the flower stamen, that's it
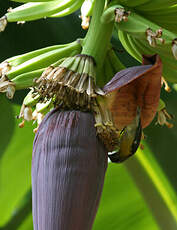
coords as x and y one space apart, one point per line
71 85
106 129
121 15
166 86
153 37
3 23
162 118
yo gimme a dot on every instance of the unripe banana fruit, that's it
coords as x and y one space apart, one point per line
25 1
141 36
20 72
131 3
74 7
36 10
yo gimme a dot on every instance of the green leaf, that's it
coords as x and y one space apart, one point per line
21 215
122 205
7 122
155 187
15 163
27 224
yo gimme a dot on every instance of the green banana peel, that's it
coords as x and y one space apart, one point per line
37 10
34 10
141 36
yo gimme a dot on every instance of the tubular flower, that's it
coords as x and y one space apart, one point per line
163 116
71 146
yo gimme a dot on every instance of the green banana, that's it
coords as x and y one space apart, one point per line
160 12
130 3
74 7
115 62
25 1
36 10
27 113
109 13
125 42
165 19
26 80
108 69
30 99
19 59
156 5
44 60
112 64
169 62
161 105
33 101
133 35
140 28
138 25
142 47
44 107
22 81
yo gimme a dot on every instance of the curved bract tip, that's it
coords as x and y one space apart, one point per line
133 87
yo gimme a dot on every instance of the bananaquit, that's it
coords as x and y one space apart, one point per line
130 138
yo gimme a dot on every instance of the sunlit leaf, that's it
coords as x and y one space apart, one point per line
27 224
15 165
122 205
155 187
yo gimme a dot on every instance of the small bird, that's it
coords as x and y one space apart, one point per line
130 138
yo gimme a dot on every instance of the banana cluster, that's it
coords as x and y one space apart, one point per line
111 66
37 9
141 36
155 6
19 72
147 27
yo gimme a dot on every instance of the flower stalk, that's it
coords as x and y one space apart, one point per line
98 37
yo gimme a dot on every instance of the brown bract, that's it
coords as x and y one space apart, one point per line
132 87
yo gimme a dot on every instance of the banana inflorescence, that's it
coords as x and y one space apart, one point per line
57 74
73 78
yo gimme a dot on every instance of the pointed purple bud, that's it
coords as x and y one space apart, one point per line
68 169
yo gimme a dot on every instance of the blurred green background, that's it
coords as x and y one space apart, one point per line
139 194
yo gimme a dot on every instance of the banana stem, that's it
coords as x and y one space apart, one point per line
98 37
